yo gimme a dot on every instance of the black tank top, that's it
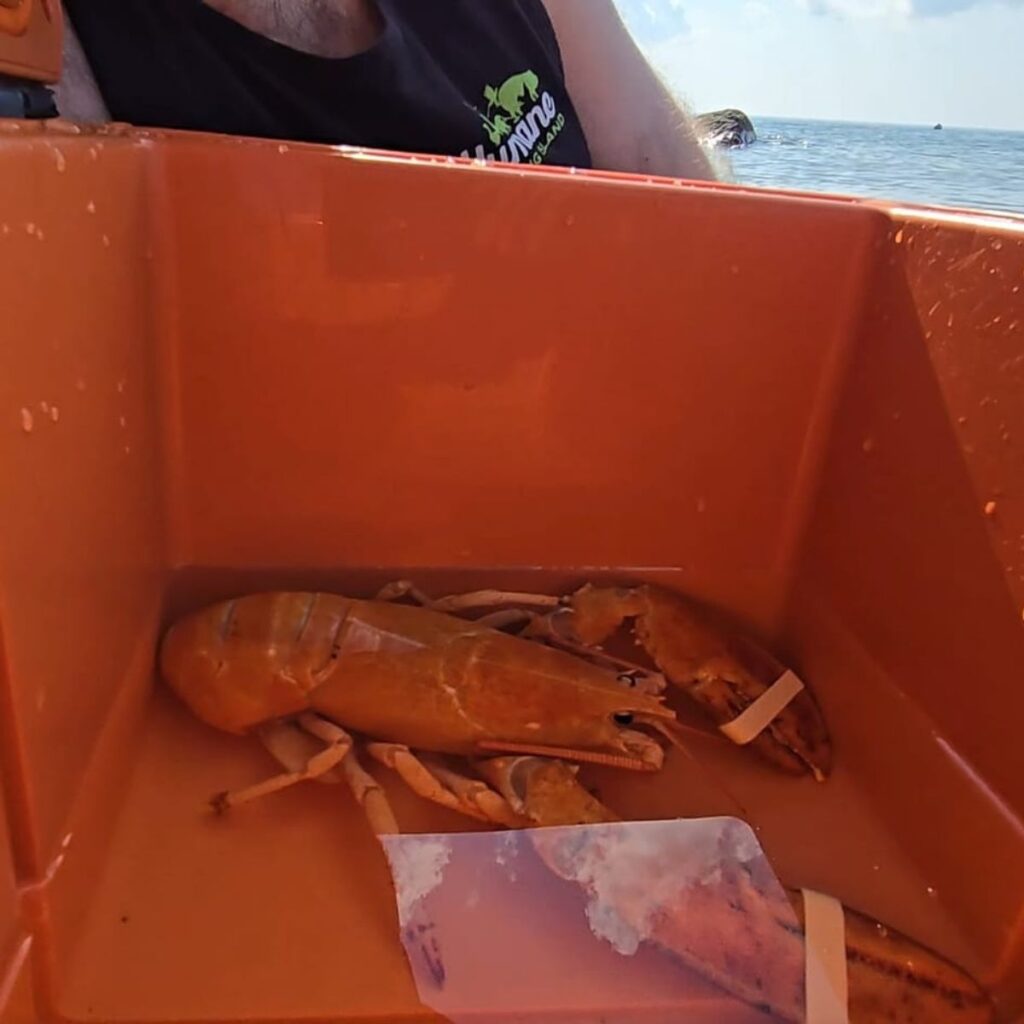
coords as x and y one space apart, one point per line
480 78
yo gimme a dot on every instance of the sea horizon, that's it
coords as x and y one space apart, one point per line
889 124
961 167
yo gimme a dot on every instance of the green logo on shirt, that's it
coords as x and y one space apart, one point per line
523 135
510 95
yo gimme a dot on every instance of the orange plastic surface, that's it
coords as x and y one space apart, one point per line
13 934
292 366
30 39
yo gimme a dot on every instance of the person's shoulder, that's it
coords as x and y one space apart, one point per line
631 120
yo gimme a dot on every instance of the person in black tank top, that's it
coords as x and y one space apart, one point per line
477 78
474 77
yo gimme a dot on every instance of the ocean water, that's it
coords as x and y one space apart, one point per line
964 167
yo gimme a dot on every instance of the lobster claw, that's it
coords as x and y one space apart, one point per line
723 671
744 932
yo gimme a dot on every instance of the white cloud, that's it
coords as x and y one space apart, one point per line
932 7
859 8
653 20
896 8
954 61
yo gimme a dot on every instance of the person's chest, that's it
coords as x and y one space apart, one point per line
326 28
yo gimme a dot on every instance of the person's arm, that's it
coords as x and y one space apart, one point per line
630 119
78 96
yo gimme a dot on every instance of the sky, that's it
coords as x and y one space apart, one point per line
958 62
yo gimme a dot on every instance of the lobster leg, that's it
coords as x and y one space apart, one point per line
368 793
465 602
339 743
493 805
493 599
504 619
289 744
441 786
404 588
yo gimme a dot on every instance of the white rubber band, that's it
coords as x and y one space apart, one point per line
746 727
825 976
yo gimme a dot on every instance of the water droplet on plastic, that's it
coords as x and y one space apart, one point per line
61 162
282 148
5 229
569 221
94 153
44 407
27 420
899 237
106 241
868 445
90 207
122 421
55 414
30 228
991 508
127 449
80 384
121 386
572 170
962 420
931 890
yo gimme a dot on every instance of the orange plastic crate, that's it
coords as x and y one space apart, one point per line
234 365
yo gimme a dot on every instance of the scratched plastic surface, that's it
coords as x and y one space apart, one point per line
233 365
568 923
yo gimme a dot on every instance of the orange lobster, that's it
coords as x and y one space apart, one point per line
419 679
412 679
420 682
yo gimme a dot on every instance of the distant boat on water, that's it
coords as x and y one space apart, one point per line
938 127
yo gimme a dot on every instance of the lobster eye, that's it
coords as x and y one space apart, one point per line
623 718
